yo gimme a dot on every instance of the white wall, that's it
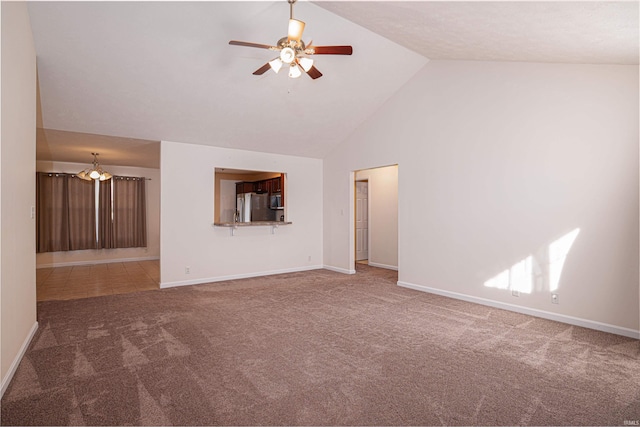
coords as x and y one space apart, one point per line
383 215
152 191
188 239
497 161
17 184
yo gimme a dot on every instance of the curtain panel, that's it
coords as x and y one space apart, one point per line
52 216
129 212
82 213
65 213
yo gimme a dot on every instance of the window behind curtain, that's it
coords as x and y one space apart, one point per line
106 238
65 213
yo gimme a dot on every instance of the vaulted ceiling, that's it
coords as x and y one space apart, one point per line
120 76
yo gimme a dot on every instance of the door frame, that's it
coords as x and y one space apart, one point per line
355 231
352 214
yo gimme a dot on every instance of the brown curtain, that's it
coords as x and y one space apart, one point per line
82 213
52 214
65 213
106 237
129 212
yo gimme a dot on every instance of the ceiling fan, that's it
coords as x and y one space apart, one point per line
292 50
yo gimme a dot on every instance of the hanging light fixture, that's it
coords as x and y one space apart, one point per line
95 172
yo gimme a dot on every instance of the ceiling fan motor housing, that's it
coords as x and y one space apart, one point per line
287 55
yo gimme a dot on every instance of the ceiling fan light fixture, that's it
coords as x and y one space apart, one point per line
276 64
306 63
296 28
294 71
291 49
287 55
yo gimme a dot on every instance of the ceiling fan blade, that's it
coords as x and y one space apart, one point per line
314 73
260 71
247 44
329 50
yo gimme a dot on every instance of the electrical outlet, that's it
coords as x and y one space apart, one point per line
555 299
187 270
33 212
515 293
309 257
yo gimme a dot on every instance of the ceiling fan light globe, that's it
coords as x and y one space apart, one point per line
295 29
294 71
94 174
306 63
276 64
287 55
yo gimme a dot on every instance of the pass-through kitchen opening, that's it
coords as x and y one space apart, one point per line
246 196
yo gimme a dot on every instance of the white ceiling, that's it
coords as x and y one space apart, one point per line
151 71
590 32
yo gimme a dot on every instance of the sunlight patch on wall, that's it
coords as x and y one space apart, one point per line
558 251
519 278
501 281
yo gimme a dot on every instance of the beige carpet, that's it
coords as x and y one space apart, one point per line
315 348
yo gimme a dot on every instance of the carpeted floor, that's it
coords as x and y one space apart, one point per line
315 348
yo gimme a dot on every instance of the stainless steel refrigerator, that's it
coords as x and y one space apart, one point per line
254 207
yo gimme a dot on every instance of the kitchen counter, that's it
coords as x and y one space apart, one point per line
250 224
233 226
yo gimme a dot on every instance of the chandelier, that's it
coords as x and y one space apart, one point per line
95 172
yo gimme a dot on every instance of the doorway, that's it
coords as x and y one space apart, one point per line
374 232
362 221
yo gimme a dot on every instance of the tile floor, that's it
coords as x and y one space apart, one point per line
63 283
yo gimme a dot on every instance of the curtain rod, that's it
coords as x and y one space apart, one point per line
75 174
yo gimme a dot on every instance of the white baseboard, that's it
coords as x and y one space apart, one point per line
388 267
16 361
590 324
96 261
164 285
339 270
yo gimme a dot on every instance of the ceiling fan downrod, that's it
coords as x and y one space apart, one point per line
291 3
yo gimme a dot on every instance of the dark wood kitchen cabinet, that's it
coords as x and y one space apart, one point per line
263 186
276 184
244 187
270 186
